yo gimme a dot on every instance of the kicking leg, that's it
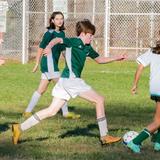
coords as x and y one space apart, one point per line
94 97
36 118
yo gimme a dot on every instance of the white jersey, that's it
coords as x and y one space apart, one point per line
149 58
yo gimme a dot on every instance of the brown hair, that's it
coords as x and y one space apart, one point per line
52 25
85 26
156 49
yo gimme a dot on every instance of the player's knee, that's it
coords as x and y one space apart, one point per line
100 100
51 112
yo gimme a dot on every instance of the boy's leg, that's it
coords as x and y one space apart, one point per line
65 112
151 128
157 119
55 106
94 97
36 96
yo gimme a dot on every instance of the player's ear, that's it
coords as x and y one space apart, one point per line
82 34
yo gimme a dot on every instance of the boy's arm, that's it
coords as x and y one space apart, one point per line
136 78
103 60
52 44
38 58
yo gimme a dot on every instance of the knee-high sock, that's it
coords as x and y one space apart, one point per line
141 137
30 122
33 102
65 109
102 124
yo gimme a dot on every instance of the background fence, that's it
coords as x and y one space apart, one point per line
122 25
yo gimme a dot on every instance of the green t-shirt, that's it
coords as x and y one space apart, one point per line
76 53
50 62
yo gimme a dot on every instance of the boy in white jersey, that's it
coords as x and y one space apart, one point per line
150 58
71 85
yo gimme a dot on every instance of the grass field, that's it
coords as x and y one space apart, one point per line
60 139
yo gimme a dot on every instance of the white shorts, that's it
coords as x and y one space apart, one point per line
48 76
67 88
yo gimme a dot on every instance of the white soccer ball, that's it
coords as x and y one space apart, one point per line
129 136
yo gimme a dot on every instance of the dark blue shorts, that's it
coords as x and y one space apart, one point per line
155 98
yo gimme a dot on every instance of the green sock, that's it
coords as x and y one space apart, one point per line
141 137
157 135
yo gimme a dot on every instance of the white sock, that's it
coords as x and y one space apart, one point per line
102 124
32 121
65 109
33 102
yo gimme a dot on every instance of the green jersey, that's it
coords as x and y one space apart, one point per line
49 63
76 53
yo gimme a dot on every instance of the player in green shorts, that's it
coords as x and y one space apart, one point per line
71 85
49 64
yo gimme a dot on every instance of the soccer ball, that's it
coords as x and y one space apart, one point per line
129 136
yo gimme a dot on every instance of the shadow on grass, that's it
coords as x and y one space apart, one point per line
81 132
4 127
88 131
30 139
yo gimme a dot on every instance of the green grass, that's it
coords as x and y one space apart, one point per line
60 139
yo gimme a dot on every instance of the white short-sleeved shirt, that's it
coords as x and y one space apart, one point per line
152 60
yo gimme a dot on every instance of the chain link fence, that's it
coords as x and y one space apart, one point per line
74 10
11 28
134 25
129 26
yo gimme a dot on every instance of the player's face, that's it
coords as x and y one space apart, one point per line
88 38
58 20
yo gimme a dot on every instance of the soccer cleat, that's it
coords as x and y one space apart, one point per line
72 115
109 139
27 114
134 147
16 133
157 146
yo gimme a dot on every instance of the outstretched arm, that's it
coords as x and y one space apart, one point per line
103 60
136 78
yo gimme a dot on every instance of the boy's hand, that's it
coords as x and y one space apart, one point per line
47 51
134 89
35 68
121 57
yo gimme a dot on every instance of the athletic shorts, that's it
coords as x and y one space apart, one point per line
155 98
48 76
67 88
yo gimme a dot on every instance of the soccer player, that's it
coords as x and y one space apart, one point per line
70 85
49 64
150 58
